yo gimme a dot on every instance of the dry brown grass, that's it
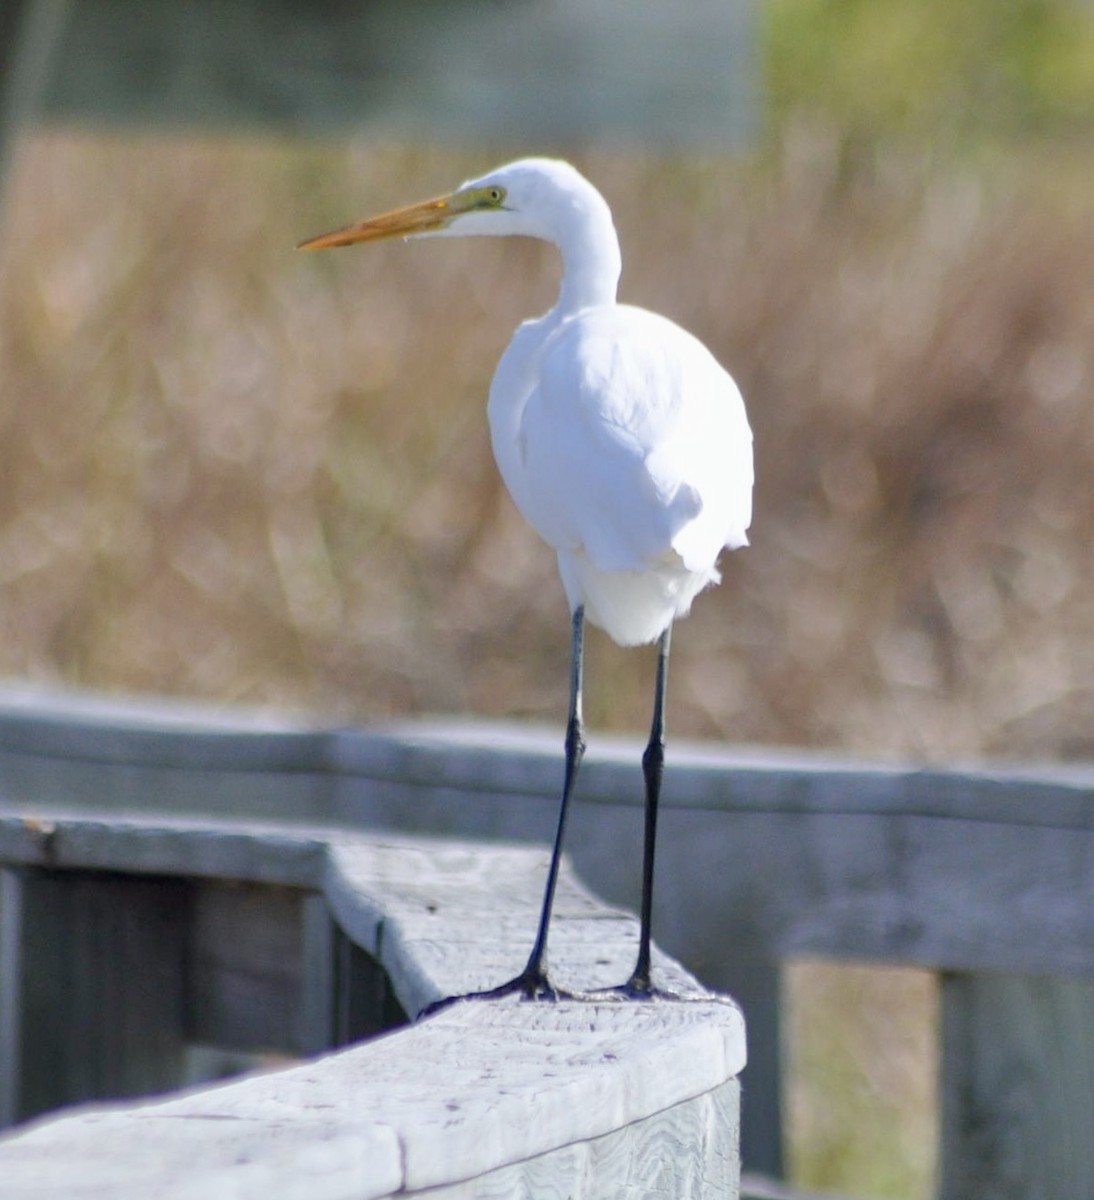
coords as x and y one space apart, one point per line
234 472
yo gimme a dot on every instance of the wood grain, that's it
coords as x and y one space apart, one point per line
482 1099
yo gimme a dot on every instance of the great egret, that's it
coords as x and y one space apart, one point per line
621 440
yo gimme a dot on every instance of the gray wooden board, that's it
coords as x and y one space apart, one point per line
1017 1088
112 944
483 759
466 1093
11 993
489 756
454 917
580 1091
681 1152
245 968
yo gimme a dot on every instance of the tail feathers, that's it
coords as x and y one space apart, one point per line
633 607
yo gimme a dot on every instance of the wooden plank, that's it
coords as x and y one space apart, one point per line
508 70
483 759
245 967
479 757
97 978
257 852
405 900
366 1002
315 1026
1017 1087
160 755
268 970
586 1095
678 1152
755 983
430 910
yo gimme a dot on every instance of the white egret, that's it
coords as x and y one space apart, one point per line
621 440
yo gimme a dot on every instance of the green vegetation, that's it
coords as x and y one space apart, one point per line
932 68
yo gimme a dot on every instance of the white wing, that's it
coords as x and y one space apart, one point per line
633 443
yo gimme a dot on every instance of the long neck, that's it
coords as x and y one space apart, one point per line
582 230
591 261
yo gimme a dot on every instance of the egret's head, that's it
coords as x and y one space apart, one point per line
536 197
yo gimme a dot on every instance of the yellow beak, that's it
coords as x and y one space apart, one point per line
415 218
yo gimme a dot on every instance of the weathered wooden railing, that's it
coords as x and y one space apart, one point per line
127 936
986 875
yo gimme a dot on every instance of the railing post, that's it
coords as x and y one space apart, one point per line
1017 1087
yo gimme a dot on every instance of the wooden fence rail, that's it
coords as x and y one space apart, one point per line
125 937
984 874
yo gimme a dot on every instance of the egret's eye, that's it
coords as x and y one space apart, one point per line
486 198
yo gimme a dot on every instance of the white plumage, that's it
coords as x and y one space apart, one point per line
625 445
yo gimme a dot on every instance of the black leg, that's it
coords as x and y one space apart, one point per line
535 973
532 982
653 768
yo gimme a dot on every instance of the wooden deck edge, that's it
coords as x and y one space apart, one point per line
443 917
476 1090
479 1092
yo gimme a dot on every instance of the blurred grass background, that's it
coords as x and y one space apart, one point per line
234 472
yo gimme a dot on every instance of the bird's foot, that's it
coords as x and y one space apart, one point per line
531 984
641 990
637 988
